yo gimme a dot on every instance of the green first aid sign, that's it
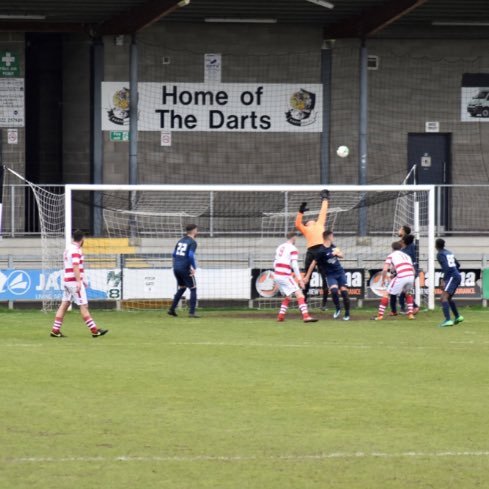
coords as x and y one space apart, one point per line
9 64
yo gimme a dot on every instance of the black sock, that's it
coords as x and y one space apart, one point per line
305 291
393 302
325 296
453 307
193 300
336 298
402 301
346 301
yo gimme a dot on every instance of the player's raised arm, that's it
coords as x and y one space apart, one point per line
324 207
298 219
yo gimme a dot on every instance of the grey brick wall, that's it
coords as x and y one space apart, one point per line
417 81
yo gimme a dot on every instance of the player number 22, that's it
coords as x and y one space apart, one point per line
181 249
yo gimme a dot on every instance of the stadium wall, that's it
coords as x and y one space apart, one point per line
417 81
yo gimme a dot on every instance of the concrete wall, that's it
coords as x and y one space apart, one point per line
418 81
280 54
76 109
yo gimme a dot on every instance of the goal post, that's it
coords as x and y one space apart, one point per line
242 223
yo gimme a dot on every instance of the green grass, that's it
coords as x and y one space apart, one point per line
232 401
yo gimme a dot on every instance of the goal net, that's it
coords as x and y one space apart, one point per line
130 262
52 222
133 230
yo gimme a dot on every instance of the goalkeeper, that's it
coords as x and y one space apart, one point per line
313 232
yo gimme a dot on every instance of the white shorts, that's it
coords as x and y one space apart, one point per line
398 285
286 284
71 295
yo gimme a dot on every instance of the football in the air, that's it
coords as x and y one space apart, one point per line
342 151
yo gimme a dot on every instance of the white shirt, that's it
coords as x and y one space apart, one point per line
73 255
401 263
285 262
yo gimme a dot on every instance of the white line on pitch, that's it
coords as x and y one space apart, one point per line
246 458
313 345
457 345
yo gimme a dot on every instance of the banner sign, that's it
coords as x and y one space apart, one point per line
38 285
475 97
107 284
220 283
11 102
263 284
469 288
216 107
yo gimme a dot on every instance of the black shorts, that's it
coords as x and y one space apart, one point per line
184 279
311 255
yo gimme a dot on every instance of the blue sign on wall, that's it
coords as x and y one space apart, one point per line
36 285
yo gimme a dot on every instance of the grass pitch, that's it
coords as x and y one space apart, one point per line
240 401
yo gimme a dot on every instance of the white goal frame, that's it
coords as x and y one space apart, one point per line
430 189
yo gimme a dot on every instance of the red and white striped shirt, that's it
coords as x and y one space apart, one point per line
401 263
73 255
286 258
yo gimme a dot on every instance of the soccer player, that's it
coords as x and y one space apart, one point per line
401 264
404 231
408 247
75 288
332 272
284 265
313 232
451 280
184 267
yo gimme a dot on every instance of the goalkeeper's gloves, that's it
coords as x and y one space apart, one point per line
303 208
324 194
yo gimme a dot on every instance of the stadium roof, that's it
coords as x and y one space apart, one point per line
346 18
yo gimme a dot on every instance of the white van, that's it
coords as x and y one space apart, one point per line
479 105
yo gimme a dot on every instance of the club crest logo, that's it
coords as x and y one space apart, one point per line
265 284
119 110
301 111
